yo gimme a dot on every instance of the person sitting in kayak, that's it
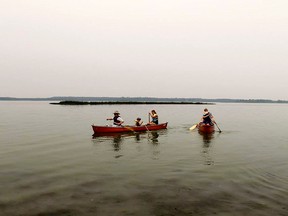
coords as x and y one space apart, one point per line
138 122
117 120
207 117
154 117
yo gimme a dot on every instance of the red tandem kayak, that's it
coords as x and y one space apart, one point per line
128 128
206 128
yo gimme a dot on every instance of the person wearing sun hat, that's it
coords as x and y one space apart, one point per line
117 120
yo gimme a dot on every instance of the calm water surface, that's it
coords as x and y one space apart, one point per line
51 165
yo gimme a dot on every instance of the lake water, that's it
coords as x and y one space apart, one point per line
51 165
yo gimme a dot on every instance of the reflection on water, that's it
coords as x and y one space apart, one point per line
207 137
117 142
118 138
207 147
50 166
153 136
137 137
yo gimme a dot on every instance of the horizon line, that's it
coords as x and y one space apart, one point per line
8 97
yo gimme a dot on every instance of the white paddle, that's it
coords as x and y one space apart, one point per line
193 127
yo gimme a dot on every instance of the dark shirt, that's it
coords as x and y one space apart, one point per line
207 118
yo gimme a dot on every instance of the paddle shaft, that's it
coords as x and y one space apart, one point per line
218 127
147 128
148 117
129 128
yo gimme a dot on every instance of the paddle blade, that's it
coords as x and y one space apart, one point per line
193 127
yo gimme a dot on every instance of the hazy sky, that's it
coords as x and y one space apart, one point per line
154 48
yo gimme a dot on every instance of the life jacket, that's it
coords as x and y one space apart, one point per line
155 120
207 118
115 119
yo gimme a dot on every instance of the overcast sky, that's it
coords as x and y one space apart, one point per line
153 48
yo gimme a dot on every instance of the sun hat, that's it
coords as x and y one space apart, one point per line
116 112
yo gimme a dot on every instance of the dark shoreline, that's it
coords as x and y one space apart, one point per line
146 100
128 103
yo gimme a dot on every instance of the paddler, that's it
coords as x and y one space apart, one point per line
207 117
138 122
117 120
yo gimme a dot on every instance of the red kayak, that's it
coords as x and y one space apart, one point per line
205 128
128 128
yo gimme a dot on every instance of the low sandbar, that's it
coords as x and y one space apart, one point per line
128 102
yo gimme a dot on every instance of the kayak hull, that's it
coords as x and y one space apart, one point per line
206 128
128 128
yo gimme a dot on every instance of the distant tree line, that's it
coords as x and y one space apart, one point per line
143 99
125 102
